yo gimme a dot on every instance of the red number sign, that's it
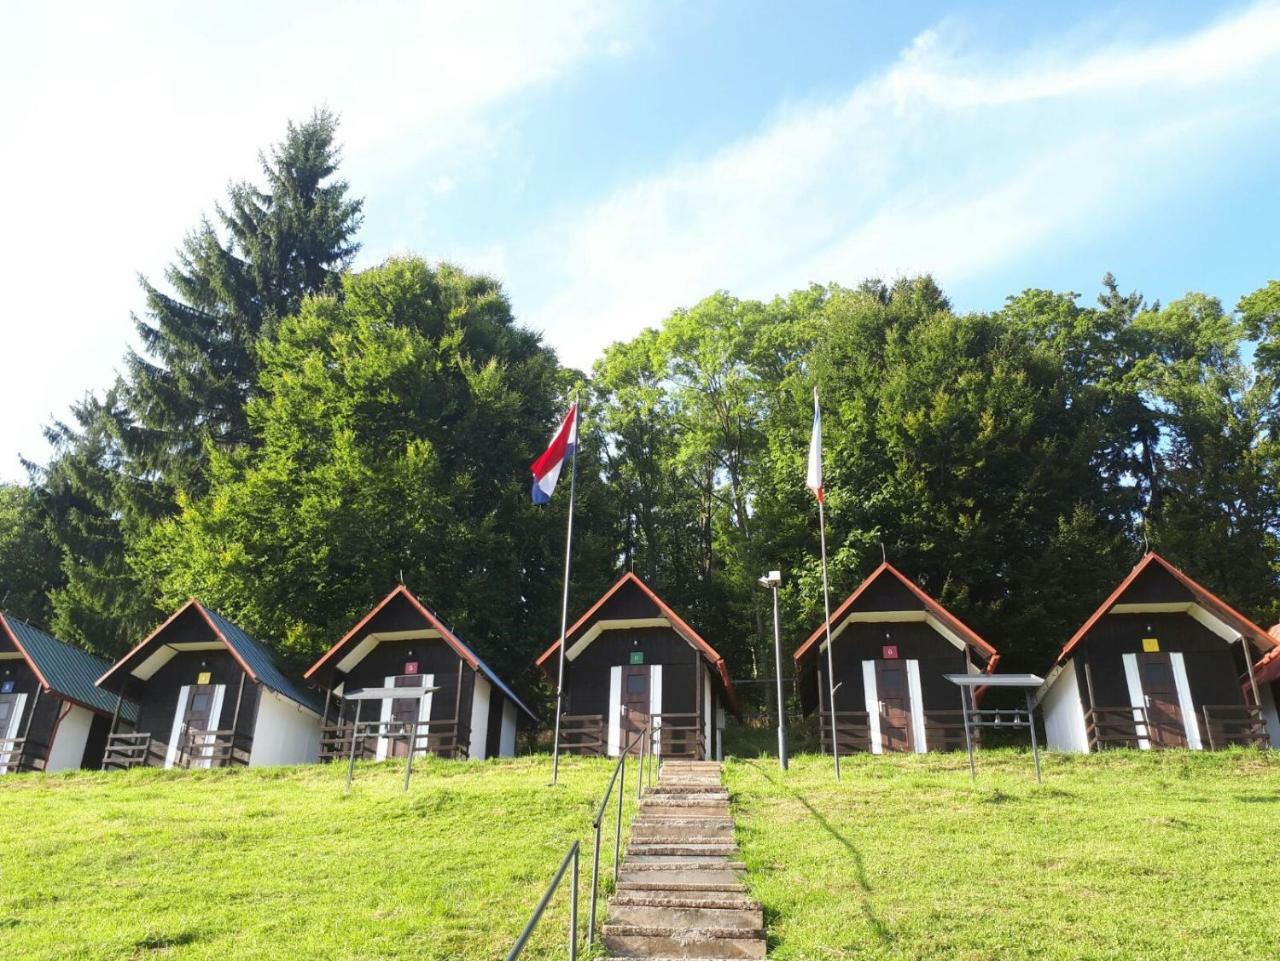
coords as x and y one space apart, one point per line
411 667
889 652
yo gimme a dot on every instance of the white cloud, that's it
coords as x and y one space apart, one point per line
121 124
953 161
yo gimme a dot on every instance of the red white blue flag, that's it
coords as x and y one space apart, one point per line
814 479
546 469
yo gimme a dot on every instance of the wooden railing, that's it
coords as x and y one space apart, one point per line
214 749
1116 727
428 737
14 758
680 736
125 751
583 734
853 731
944 731
1234 724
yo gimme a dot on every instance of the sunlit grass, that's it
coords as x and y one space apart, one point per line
281 864
1143 855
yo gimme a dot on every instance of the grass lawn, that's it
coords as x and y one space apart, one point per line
280 864
1143 855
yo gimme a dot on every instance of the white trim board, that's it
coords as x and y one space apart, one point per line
166 653
917 706
895 617
1133 680
370 641
871 700
175 732
1190 722
624 624
615 711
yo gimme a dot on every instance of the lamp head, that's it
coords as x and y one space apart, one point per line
772 579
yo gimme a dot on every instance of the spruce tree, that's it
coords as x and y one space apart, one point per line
233 279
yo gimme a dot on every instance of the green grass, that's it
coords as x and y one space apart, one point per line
1146 855
280 864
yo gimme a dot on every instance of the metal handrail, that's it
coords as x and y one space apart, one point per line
619 776
570 858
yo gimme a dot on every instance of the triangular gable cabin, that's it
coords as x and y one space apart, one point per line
630 661
208 695
52 717
400 643
1267 675
1159 664
892 645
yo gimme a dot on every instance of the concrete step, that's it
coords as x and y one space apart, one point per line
692 917
688 900
678 800
664 884
655 861
683 849
667 837
661 941
664 828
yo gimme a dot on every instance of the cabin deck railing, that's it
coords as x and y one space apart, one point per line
14 758
944 730
1107 727
1234 724
680 736
441 738
131 750
583 734
852 730
204 748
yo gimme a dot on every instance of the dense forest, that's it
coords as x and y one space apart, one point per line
295 436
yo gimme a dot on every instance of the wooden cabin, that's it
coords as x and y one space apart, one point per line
401 643
892 645
632 662
1163 662
52 717
1267 676
208 695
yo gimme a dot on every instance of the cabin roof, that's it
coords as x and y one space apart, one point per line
1268 669
251 654
956 626
690 636
64 669
1202 596
448 636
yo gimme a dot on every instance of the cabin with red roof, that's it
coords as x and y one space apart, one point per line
892 644
207 695
1163 662
471 713
632 662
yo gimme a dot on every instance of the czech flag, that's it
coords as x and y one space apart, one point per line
814 479
546 469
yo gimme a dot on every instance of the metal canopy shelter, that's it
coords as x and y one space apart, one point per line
1015 718
381 694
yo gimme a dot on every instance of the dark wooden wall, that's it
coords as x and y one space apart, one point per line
915 640
1213 666
158 697
587 676
434 657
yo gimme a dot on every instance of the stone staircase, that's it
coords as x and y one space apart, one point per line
680 891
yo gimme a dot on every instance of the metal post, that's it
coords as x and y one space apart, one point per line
1253 681
968 738
782 713
351 762
617 826
1035 744
573 909
111 732
595 883
826 603
413 741
235 721
564 605
646 748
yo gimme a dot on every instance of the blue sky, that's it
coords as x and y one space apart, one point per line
612 161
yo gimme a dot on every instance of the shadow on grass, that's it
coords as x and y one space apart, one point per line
882 930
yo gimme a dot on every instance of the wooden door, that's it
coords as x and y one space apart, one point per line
635 704
1160 692
895 705
404 716
200 708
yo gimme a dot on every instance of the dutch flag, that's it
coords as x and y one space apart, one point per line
546 469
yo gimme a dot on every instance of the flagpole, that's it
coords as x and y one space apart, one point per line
826 603
564 605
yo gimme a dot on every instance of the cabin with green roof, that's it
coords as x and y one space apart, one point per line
52 716
208 695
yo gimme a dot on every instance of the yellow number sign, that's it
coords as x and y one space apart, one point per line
1151 645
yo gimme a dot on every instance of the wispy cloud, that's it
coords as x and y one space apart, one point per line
955 160
122 122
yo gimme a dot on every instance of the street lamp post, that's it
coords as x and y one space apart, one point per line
772 580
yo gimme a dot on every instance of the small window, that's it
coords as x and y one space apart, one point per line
636 683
